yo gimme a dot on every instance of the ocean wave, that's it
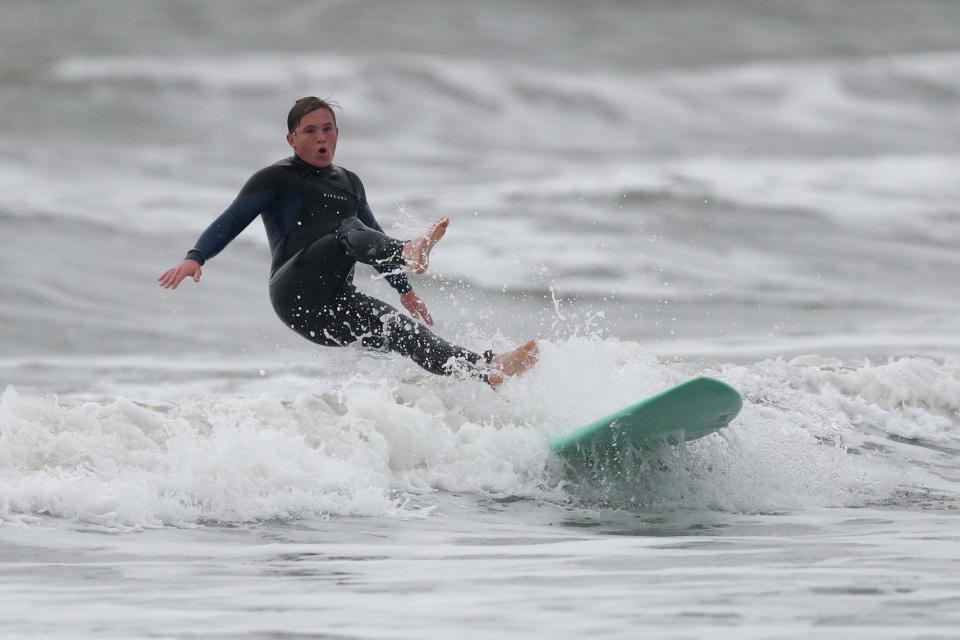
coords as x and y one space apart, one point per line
648 230
825 95
235 71
814 432
853 190
780 182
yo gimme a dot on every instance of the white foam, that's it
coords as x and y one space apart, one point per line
365 445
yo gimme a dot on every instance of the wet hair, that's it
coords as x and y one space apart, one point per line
303 106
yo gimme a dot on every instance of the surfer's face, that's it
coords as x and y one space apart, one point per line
315 138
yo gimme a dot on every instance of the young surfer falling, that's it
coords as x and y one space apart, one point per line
319 226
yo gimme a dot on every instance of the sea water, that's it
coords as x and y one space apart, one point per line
760 192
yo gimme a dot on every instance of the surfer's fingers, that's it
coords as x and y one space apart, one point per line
178 278
167 278
421 313
425 316
197 273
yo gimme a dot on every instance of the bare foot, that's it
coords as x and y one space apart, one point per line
416 253
513 363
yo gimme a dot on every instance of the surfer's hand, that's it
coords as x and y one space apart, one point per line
172 277
412 302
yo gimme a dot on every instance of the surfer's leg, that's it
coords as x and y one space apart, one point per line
302 286
380 326
515 362
370 246
312 294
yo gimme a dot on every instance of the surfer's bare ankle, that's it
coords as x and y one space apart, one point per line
416 253
513 363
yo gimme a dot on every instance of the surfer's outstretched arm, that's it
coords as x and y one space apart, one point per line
221 232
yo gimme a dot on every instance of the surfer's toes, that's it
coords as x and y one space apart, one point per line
437 229
514 363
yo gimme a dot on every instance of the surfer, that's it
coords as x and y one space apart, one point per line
319 226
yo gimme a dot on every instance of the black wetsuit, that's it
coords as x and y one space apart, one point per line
319 226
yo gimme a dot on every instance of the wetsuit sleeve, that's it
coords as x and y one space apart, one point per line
396 279
255 196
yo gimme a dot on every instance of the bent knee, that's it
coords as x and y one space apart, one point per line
350 224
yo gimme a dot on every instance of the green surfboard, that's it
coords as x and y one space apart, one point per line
688 411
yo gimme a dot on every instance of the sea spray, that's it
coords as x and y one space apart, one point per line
812 433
